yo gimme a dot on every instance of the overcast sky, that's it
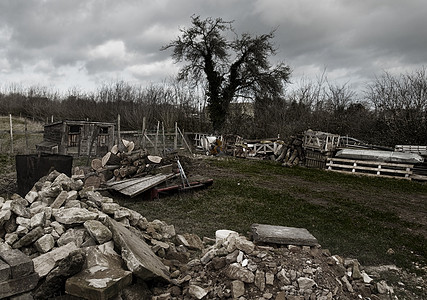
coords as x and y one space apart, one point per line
66 44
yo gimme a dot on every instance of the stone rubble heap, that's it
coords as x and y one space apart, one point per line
63 238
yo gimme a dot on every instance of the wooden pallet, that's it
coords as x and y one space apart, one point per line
421 150
316 159
370 168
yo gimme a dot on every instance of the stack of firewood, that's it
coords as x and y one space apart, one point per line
290 153
118 165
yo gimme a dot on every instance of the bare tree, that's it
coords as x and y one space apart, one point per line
229 69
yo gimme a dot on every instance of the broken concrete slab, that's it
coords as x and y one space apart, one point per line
283 235
139 257
55 280
102 278
18 285
4 271
73 215
45 243
5 215
44 263
60 200
29 238
98 231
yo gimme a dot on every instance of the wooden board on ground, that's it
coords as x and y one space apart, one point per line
136 186
370 168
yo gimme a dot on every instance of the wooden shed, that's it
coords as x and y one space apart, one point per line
77 138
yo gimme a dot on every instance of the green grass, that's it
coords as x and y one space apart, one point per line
352 216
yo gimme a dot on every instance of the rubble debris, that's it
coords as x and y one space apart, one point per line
150 260
102 276
16 273
139 258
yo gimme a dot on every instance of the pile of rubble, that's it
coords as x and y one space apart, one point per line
62 238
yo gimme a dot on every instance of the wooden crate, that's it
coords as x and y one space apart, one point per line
370 168
316 159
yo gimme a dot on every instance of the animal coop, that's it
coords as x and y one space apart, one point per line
77 138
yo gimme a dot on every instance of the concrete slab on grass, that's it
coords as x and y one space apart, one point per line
283 235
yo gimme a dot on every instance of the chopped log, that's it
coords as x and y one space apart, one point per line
141 169
94 180
111 167
128 171
110 159
154 159
134 156
116 172
114 149
106 173
96 164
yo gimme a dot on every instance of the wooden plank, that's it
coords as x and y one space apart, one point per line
117 185
369 168
368 162
370 174
140 185
379 168
418 177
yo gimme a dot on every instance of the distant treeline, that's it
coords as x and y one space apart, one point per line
392 109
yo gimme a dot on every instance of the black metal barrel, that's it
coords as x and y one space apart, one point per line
30 168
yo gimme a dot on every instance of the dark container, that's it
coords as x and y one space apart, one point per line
30 168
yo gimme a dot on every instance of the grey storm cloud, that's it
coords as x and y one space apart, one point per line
84 42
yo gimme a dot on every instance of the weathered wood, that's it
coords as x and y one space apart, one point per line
154 159
110 159
94 180
96 164
185 141
11 134
134 187
114 149
128 171
370 168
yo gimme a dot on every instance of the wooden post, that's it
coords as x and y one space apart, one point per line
185 141
118 130
175 140
26 136
11 134
51 119
143 132
164 142
157 138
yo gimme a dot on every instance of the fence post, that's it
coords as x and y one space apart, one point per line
157 138
175 140
143 132
11 134
164 142
26 136
118 130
